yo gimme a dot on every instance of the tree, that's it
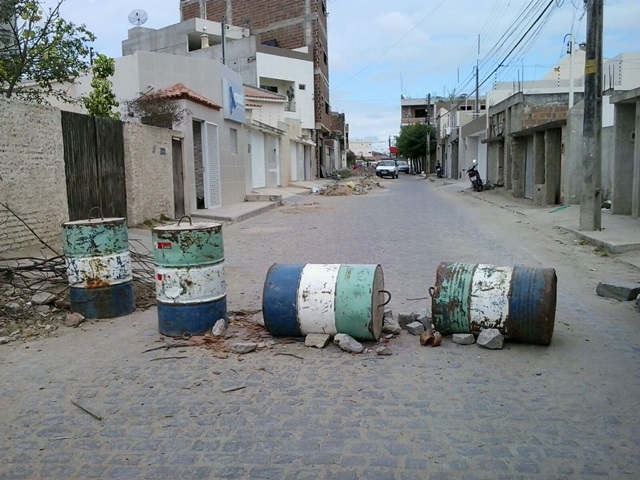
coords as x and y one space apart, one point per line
150 109
101 101
39 50
412 143
351 158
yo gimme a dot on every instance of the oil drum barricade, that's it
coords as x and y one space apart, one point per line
190 280
518 301
324 298
99 267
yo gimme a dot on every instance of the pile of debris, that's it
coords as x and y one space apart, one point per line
360 187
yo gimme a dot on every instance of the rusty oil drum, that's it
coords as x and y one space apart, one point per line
190 279
518 301
99 267
324 298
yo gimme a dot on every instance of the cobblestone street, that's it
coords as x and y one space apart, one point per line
566 411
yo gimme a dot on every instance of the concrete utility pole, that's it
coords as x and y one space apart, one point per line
591 200
428 117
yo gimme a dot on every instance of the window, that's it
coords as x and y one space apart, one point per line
269 88
233 140
302 86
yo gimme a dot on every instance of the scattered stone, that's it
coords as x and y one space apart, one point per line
73 319
426 321
43 298
431 338
415 328
491 338
391 326
405 319
621 290
219 328
13 307
384 351
243 347
221 355
389 336
348 343
4 340
62 303
42 308
388 313
318 340
463 338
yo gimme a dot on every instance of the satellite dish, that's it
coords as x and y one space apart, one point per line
138 17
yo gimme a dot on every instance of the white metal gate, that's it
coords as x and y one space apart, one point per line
213 195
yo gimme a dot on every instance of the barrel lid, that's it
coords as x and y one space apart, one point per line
94 221
187 227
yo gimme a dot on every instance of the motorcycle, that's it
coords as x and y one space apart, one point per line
474 177
439 172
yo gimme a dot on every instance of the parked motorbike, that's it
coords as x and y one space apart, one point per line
439 172
474 177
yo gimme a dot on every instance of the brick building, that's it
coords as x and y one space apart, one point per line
288 24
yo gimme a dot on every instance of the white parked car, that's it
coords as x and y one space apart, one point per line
387 168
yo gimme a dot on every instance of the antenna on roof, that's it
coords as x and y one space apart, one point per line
138 17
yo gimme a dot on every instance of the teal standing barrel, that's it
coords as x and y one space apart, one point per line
190 279
324 298
99 267
518 301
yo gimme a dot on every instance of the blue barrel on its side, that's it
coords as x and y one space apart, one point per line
324 298
99 267
190 279
518 301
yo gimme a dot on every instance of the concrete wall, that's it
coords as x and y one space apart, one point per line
149 172
32 175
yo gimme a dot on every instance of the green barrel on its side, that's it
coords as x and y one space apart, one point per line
359 308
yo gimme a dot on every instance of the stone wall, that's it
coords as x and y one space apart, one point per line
32 175
149 172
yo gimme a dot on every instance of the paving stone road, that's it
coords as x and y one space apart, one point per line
567 411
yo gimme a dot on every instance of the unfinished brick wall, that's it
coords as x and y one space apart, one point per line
32 175
537 115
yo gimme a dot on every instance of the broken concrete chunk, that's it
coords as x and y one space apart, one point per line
43 298
463 338
491 338
4 340
388 313
219 328
619 290
424 320
348 343
405 319
384 351
415 328
391 326
243 347
318 340
73 319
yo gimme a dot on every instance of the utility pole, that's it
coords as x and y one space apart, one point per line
427 169
570 52
477 78
591 200
224 39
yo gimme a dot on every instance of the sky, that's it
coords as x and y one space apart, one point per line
380 50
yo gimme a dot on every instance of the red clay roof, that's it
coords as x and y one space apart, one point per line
180 92
256 93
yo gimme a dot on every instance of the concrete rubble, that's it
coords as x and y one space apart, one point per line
243 347
348 343
415 328
463 338
491 338
618 290
389 324
219 329
317 340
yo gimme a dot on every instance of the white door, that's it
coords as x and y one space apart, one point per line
293 148
273 161
300 158
258 170
211 156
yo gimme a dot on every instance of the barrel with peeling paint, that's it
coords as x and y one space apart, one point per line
518 301
99 267
190 279
324 298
